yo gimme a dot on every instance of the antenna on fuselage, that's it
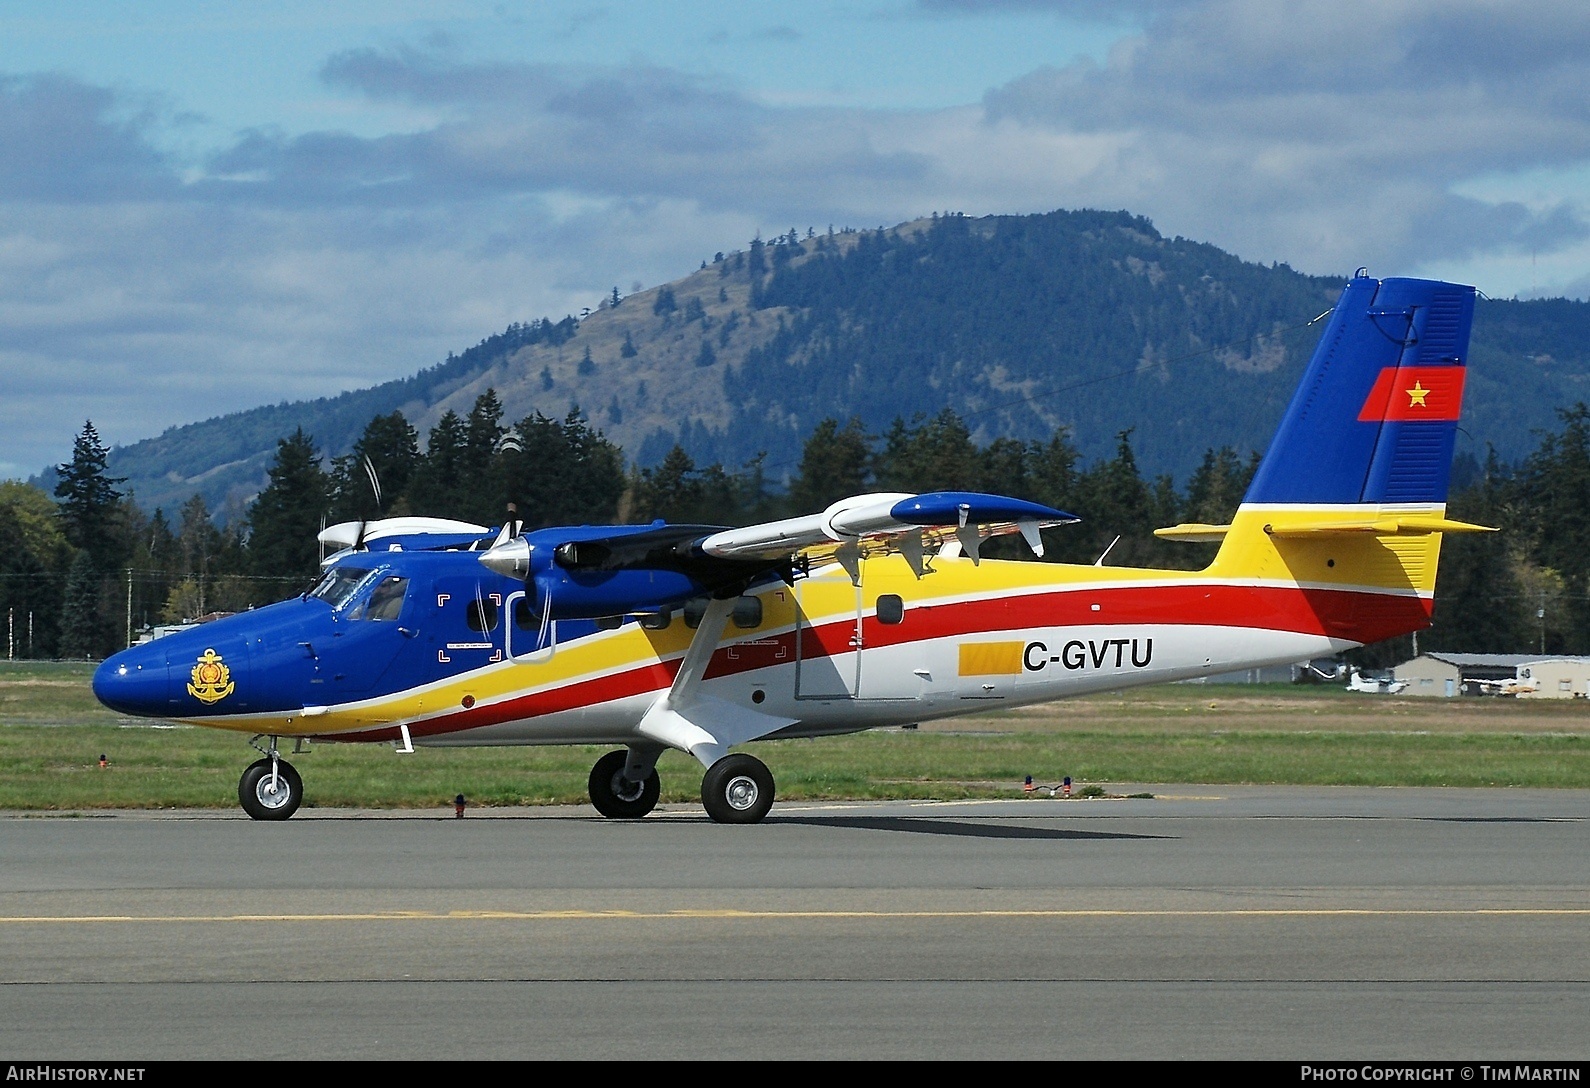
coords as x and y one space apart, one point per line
1099 562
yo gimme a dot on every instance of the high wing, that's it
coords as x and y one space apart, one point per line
399 534
890 521
610 570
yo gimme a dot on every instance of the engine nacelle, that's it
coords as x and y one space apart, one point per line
590 572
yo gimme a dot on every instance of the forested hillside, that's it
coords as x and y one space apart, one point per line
1090 322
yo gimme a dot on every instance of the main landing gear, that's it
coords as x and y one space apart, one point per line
737 789
270 789
618 796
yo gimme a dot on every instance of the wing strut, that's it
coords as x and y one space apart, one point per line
686 718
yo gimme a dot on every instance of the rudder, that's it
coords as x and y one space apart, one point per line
1375 417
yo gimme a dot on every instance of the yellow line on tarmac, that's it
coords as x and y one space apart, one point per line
731 914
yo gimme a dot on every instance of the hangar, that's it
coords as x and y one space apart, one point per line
1528 676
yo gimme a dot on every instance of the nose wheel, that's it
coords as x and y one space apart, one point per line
270 789
737 789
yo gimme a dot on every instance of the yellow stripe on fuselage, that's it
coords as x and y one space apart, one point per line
1396 563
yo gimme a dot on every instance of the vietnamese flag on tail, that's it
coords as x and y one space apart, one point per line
1403 393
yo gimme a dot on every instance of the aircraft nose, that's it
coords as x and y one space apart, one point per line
136 681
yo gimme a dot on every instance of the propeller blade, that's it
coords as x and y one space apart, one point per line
375 482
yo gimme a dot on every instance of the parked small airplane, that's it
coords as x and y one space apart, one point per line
878 611
1357 680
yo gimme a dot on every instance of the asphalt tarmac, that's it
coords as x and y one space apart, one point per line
1207 922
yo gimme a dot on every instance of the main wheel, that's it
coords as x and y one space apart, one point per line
737 789
618 797
264 800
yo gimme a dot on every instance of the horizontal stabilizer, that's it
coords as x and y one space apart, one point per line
1408 525
1193 532
1394 525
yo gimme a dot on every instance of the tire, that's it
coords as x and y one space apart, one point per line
255 795
737 789
617 797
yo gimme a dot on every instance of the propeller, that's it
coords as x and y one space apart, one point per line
511 526
375 482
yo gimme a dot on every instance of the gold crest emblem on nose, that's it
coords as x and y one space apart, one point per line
212 680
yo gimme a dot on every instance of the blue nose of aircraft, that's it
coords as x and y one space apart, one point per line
136 681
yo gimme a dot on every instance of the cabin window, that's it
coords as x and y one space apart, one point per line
385 601
339 584
747 613
657 621
482 615
891 608
695 608
523 618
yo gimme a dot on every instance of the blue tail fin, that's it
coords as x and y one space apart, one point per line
1375 417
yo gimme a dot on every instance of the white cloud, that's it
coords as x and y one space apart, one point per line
142 289
1330 133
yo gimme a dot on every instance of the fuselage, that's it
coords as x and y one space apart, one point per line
434 645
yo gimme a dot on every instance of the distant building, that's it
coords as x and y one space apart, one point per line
1527 676
1555 678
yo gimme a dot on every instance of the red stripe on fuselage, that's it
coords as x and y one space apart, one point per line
1351 615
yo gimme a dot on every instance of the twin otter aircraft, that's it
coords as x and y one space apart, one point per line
878 611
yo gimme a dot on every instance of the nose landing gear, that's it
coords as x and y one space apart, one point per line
270 788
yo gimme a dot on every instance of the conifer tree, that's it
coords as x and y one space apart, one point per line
81 622
436 489
833 465
391 446
286 517
934 455
89 500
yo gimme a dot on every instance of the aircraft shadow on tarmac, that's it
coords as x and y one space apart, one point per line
961 828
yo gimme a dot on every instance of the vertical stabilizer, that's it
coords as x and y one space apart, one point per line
1375 417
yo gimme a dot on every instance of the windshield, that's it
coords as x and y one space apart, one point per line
385 601
339 584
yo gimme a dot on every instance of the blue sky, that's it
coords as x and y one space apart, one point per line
205 207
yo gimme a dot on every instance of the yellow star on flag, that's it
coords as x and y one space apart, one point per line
1416 395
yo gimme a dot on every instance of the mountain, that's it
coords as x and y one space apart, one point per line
1087 320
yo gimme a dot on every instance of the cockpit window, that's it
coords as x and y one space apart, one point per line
339 584
385 601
